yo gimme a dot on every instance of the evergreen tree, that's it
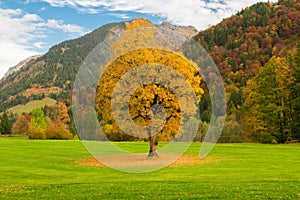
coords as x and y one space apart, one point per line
6 122
294 61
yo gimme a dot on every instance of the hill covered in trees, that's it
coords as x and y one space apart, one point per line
244 47
255 51
53 74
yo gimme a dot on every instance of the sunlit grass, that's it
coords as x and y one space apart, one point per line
49 170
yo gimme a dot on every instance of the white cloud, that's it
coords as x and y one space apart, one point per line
199 13
20 32
39 45
11 12
59 24
11 53
122 16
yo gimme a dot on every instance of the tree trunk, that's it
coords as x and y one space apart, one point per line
153 147
152 137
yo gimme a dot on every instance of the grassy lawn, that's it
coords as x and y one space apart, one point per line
49 170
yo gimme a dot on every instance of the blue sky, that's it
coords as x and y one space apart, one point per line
30 27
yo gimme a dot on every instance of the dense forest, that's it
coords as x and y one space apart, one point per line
244 47
257 52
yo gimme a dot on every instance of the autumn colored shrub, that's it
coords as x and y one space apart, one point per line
20 127
58 132
36 133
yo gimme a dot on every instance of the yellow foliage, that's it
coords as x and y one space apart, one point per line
143 98
36 133
138 23
107 128
58 132
132 50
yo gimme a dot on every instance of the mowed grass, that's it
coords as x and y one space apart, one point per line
50 170
27 108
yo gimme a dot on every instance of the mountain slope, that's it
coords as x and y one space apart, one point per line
21 64
243 43
53 74
240 46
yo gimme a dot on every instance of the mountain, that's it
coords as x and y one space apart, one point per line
24 62
188 30
240 46
52 74
257 52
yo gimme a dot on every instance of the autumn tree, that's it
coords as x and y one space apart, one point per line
145 99
59 119
62 112
57 113
58 132
146 96
21 126
244 43
235 100
38 124
268 115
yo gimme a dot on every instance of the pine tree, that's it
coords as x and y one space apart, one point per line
6 122
294 61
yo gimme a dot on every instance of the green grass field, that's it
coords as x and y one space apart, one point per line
49 170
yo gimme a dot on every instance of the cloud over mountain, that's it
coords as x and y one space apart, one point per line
21 32
199 13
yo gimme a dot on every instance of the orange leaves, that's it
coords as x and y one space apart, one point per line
20 127
155 62
58 132
62 112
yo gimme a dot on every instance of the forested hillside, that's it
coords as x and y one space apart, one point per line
255 50
52 74
243 47
243 43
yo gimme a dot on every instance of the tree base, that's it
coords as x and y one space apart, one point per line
152 154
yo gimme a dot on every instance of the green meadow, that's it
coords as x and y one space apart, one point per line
33 169
27 108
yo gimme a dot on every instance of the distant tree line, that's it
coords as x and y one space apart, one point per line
49 122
